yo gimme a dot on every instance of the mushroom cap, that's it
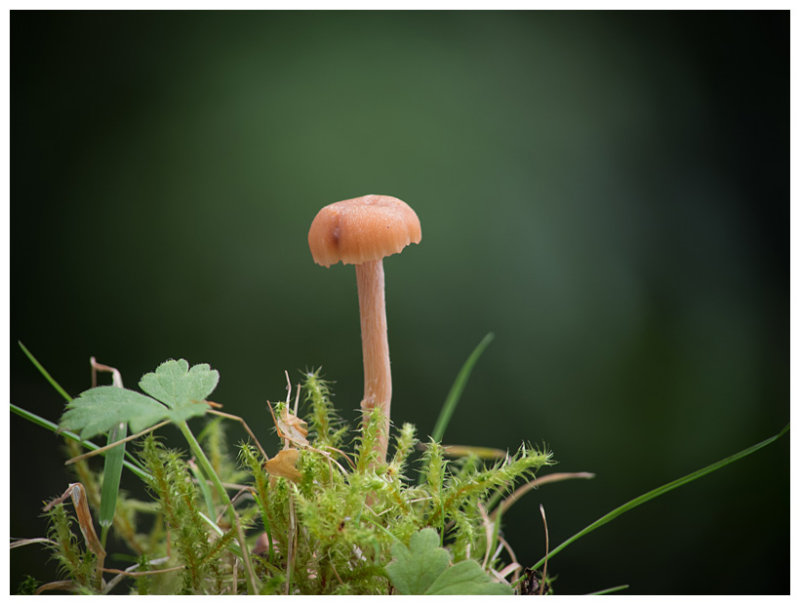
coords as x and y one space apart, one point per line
362 229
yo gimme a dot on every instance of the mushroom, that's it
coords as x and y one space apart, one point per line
360 232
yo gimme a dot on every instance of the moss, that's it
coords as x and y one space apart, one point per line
326 527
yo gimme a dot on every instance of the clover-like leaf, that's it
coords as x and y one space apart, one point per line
424 568
467 577
177 394
99 409
416 566
177 385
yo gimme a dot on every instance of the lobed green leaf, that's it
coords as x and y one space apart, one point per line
178 386
98 410
467 577
177 393
423 567
416 566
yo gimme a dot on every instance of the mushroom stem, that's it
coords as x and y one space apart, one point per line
375 345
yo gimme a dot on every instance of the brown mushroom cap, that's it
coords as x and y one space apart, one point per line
362 229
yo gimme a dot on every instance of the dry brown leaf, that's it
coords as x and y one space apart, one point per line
290 427
77 493
65 585
29 541
284 464
294 427
79 501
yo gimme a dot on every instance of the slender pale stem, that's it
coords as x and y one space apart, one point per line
375 345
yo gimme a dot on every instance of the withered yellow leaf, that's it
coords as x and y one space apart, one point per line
284 464
77 492
294 427
84 515
290 427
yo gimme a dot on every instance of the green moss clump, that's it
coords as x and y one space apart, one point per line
321 516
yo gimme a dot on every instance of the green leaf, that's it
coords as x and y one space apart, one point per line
423 567
180 389
100 409
415 567
177 385
467 577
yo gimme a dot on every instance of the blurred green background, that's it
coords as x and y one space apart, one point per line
607 192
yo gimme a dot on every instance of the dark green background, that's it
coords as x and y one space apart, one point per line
606 192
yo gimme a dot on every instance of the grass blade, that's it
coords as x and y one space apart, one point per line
202 484
460 382
232 546
44 372
205 465
611 590
53 427
112 466
112 473
667 487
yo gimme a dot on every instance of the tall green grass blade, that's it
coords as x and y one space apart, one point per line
112 466
451 401
611 590
205 465
232 546
53 427
112 473
202 484
667 487
44 372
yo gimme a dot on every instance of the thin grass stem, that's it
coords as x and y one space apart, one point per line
44 372
659 491
206 465
533 484
112 445
51 426
451 401
611 590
